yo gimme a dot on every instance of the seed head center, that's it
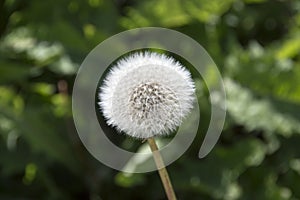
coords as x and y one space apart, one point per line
148 98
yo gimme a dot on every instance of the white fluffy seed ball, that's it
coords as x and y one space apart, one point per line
146 94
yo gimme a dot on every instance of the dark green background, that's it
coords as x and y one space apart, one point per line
256 45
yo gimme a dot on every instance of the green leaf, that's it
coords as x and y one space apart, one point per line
259 114
13 72
217 174
41 130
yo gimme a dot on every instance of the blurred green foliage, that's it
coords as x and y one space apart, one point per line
255 43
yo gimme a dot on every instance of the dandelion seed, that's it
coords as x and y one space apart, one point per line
146 94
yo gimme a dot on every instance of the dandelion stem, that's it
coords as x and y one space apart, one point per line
163 173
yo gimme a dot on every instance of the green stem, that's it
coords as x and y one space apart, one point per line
163 173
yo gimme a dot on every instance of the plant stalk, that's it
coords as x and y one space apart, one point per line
163 173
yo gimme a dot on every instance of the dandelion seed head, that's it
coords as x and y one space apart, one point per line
146 94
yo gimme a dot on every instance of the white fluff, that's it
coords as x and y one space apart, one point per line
146 94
